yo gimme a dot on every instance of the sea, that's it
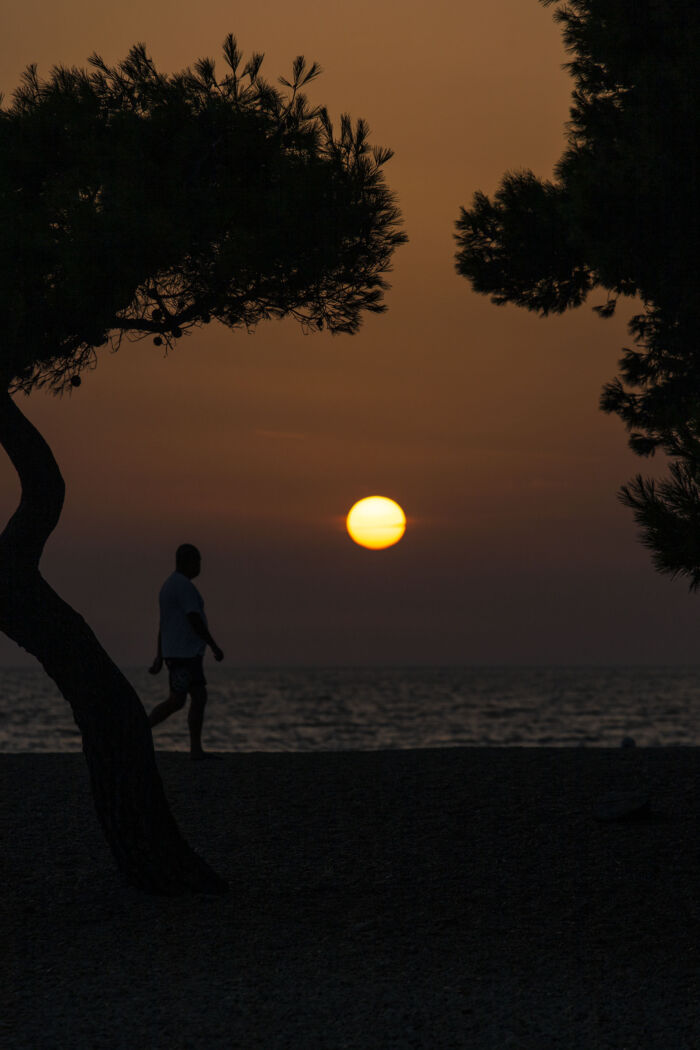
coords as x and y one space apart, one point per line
367 709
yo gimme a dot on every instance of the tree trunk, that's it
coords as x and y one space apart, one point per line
131 805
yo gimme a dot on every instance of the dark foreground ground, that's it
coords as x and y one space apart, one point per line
454 898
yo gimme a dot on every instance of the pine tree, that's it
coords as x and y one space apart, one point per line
140 205
622 213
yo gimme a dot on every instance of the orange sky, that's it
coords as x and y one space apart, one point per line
481 421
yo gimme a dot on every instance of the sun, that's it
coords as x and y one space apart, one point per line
376 522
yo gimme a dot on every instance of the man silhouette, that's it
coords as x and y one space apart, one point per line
182 639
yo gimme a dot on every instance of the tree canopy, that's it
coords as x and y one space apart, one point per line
140 204
622 213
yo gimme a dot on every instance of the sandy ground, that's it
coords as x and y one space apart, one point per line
453 898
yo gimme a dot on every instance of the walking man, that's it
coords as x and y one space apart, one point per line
182 639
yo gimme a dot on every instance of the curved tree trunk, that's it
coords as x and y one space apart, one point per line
117 742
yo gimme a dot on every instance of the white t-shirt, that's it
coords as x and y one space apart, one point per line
178 597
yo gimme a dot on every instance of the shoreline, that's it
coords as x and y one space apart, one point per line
458 897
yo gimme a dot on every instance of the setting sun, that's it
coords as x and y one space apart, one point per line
376 522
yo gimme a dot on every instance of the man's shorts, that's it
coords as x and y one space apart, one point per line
185 673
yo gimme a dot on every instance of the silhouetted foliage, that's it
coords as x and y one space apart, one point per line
622 214
138 203
134 203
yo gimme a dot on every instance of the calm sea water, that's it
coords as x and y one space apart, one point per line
368 709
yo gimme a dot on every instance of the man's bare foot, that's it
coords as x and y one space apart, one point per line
201 756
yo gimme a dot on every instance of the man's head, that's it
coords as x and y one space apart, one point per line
188 560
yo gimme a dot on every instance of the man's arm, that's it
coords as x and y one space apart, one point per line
199 627
157 664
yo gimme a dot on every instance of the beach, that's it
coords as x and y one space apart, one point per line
459 897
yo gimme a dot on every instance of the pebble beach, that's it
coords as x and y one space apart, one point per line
458 897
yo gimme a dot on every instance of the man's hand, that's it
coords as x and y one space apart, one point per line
156 666
218 655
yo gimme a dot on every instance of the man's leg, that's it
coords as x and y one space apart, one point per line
175 702
195 719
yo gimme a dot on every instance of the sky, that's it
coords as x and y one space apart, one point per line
481 421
